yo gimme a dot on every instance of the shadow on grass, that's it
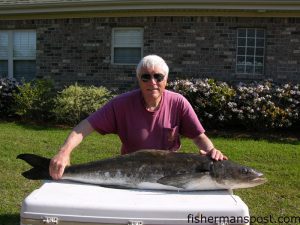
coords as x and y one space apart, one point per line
281 136
288 136
42 126
9 219
33 125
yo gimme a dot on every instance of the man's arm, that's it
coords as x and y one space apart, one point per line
206 147
62 158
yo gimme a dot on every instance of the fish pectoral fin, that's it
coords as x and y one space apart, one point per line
180 180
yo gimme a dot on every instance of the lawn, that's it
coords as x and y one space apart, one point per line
279 160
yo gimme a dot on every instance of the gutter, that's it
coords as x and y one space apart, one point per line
54 9
98 6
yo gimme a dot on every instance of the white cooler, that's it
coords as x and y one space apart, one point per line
70 203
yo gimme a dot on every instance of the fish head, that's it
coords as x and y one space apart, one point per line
234 176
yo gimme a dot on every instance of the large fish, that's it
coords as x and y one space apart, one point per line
153 169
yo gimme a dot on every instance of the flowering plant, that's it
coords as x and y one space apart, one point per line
7 87
253 105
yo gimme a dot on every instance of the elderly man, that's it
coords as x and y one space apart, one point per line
147 118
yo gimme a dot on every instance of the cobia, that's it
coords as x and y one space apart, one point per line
153 169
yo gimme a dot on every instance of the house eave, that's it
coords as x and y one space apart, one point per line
138 7
80 6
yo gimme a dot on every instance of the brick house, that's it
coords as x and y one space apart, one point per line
99 42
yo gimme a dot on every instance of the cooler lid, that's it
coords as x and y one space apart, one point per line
95 204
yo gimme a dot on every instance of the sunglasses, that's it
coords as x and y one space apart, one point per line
158 77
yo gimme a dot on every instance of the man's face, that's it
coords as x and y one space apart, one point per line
152 88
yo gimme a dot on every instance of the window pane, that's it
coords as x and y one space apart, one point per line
251 33
259 51
242 32
24 69
127 45
241 60
127 55
260 42
3 68
250 60
242 42
249 69
259 61
3 45
250 42
241 51
128 38
253 60
24 44
240 68
250 51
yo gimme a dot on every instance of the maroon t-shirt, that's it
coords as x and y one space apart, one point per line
138 128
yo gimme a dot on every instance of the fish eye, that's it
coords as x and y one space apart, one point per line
245 171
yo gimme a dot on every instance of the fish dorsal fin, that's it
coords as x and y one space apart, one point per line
180 180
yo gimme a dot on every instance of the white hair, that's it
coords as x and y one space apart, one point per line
150 61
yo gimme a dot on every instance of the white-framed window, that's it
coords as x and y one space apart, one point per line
250 51
18 54
127 45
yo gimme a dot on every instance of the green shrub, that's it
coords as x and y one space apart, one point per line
34 100
75 102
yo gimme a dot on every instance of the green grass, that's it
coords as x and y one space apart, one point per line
279 160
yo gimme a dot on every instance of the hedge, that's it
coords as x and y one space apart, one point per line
255 105
38 101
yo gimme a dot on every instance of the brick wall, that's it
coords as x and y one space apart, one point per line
70 50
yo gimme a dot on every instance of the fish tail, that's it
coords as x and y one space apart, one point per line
40 170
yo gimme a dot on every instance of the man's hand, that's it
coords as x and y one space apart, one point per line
203 142
214 154
58 164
